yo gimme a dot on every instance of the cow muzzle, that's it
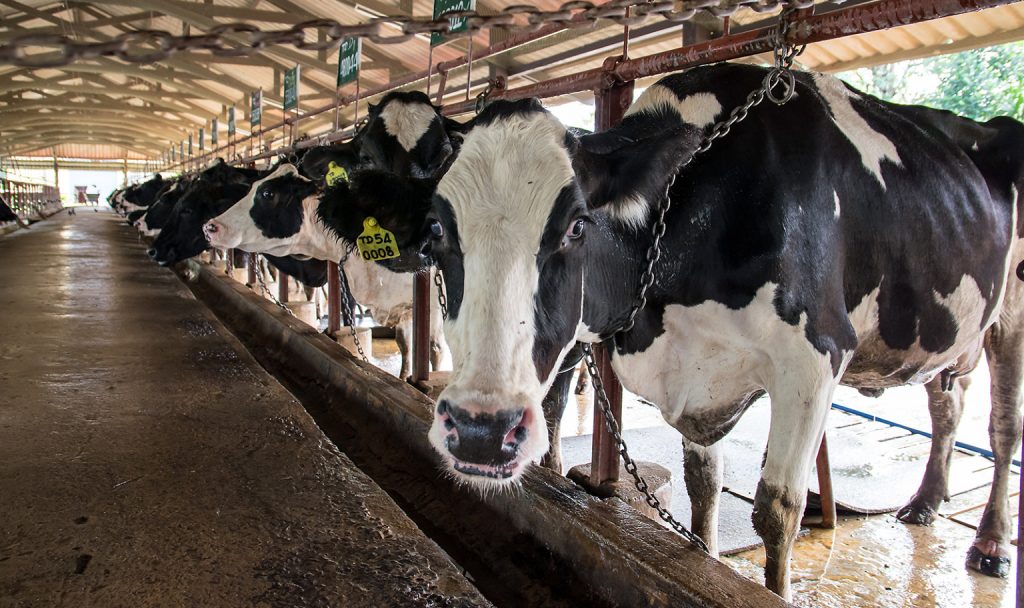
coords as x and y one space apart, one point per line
485 444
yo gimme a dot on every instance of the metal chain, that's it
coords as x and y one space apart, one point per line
628 462
782 73
442 299
253 262
244 39
346 307
784 54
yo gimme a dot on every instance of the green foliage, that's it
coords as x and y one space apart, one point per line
980 84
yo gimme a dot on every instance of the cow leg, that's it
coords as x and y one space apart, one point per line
554 406
945 408
702 471
584 379
403 337
990 552
798 417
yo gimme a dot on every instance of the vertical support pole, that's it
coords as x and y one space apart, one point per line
610 105
282 287
604 455
333 299
252 265
828 502
421 327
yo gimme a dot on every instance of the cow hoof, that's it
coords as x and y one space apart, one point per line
990 565
917 514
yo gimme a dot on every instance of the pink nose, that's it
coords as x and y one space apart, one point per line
211 228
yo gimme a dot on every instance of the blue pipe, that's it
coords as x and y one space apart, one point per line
963 446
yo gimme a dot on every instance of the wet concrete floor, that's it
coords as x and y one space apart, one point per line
147 460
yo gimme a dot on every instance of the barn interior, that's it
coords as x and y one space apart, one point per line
209 434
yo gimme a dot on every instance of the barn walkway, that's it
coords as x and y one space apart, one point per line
147 460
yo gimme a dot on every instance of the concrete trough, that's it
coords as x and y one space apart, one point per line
547 542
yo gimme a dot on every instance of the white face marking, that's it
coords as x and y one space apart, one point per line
872 145
502 188
407 122
698 109
837 204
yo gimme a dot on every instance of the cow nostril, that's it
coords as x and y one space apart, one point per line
211 228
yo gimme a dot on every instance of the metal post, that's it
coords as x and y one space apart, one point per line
610 105
282 287
421 327
333 299
253 267
828 502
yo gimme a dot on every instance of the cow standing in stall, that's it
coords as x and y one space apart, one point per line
837 239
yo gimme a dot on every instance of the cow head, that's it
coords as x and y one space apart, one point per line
405 134
210 193
275 217
508 225
316 163
145 193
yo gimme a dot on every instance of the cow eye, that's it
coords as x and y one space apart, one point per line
436 229
575 230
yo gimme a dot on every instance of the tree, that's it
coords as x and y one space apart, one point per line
979 84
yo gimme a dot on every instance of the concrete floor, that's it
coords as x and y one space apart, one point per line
147 460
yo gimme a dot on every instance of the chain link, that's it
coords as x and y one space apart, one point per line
254 264
347 314
243 39
442 299
641 484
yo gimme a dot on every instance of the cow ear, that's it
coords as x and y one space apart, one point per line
625 169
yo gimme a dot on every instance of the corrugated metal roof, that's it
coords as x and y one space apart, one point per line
106 108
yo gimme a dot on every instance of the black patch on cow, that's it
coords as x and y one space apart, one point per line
399 205
560 268
446 252
145 193
277 205
503 110
311 273
317 161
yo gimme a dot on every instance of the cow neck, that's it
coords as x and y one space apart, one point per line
324 243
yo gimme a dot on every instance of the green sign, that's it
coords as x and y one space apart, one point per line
231 121
291 88
456 25
213 133
256 107
348 60
181 151
190 144
173 157
202 139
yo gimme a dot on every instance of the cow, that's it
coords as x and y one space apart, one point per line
211 192
156 215
284 214
837 239
142 195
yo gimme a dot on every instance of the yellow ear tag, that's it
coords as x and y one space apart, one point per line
336 173
376 243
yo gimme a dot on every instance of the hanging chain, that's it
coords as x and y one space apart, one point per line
628 462
442 299
782 73
243 39
253 262
347 314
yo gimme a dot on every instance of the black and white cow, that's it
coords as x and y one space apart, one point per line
141 195
210 193
285 213
837 239
156 215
